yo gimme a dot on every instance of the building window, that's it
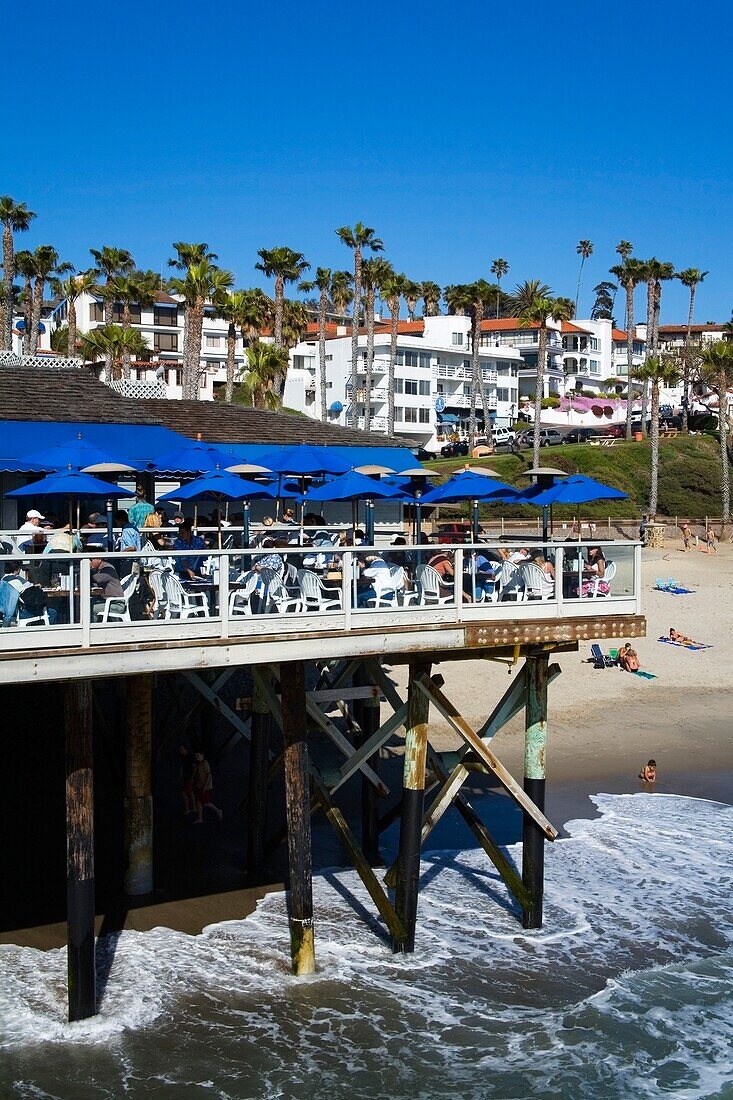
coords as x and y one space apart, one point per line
165 341
456 338
466 389
424 387
398 387
595 366
410 416
595 344
411 386
399 414
212 342
502 394
165 316
96 311
118 312
424 416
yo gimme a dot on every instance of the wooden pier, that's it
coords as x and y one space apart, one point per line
302 667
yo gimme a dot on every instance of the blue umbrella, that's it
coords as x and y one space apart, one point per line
305 461
71 483
195 457
221 485
468 485
80 455
577 489
354 486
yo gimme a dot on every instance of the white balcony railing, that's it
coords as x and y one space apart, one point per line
236 593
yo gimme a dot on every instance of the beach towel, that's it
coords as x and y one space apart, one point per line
681 645
672 586
644 675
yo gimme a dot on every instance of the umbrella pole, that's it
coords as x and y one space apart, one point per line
475 520
418 529
195 519
545 511
245 533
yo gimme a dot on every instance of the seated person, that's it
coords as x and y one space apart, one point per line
519 555
487 572
271 560
289 516
31 533
649 772
544 564
372 567
63 541
404 558
97 539
188 568
593 569
105 577
628 658
12 586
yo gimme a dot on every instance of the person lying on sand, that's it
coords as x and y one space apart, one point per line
681 639
628 658
649 772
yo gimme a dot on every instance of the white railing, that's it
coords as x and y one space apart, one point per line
464 374
231 594
58 362
376 423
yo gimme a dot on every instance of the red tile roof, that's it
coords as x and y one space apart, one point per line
567 326
673 329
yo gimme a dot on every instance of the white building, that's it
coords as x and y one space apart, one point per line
596 355
432 379
506 332
162 327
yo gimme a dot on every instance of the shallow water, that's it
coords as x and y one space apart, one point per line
626 991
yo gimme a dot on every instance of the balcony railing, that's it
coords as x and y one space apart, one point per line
376 423
464 374
184 597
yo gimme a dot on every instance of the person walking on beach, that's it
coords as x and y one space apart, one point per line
187 769
710 541
203 785
686 536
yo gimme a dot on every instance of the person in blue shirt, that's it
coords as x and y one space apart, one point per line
188 568
140 509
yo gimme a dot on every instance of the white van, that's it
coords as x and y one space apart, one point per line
501 436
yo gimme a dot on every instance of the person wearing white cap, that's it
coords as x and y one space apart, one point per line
31 528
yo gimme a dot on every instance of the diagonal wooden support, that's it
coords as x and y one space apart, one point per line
472 739
375 742
209 692
511 703
342 743
338 823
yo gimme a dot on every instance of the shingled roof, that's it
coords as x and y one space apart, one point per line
57 395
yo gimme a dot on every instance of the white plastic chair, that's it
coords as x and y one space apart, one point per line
511 583
429 587
157 584
240 601
609 574
183 604
538 585
111 611
315 597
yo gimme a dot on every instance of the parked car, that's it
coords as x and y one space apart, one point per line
458 531
425 456
581 435
615 431
454 450
549 437
523 438
501 436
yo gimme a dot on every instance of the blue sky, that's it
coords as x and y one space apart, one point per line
460 132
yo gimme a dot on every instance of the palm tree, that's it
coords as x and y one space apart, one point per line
113 342
187 254
295 325
46 265
538 313
457 299
322 283
657 371
138 287
624 249
203 283
360 237
629 274
691 277
69 289
16 218
259 380
585 251
342 291
391 293
376 273
230 308
411 294
526 293
284 266
654 272
25 265
480 295
256 315
499 268
716 371
431 294
110 261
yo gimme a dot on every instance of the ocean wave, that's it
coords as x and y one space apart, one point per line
625 991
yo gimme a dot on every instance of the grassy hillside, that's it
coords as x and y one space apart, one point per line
689 475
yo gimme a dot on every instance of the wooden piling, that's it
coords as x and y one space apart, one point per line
297 812
80 850
535 763
138 815
367 715
259 747
413 801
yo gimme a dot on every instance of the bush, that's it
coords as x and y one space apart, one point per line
550 402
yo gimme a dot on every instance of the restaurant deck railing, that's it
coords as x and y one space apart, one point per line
249 593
